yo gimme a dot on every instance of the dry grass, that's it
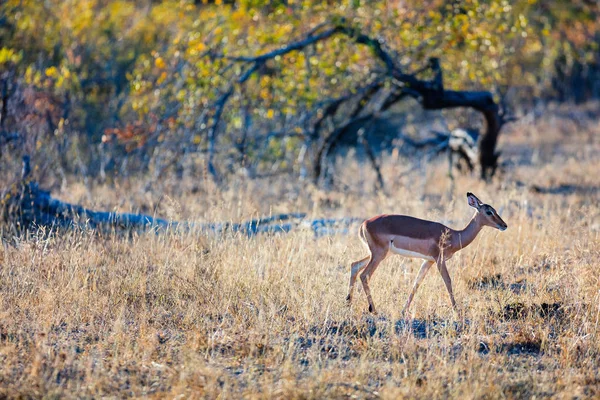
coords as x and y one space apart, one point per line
176 315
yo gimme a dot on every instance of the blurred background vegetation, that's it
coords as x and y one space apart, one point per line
100 88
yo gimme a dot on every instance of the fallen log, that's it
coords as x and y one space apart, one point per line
27 206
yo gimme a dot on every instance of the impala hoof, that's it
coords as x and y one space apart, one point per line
371 309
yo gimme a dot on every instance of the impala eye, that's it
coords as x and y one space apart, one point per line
488 212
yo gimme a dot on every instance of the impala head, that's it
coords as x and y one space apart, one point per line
487 212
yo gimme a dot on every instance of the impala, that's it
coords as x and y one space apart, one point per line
417 238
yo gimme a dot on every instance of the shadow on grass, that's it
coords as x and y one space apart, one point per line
515 348
381 327
423 329
491 282
335 339
518 310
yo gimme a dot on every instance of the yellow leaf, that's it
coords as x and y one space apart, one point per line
51 72
237 122
270 113
160 63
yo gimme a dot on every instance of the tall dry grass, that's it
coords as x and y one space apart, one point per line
182 315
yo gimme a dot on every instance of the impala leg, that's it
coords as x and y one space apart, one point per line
421 275
446 277
354 270
366 275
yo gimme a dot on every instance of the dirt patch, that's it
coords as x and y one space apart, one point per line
496 281
545 310
521 348
550 310
514 311
423 329
486 282
518 390
335 338
483 348
528 347
368 328
518 287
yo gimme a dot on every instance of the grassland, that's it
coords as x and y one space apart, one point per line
181 315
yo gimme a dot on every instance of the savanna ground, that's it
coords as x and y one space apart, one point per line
176 315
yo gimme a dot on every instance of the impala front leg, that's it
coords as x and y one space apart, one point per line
446 277
422 272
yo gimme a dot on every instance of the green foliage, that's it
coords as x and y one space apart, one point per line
152 72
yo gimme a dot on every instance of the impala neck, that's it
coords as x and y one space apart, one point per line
463 238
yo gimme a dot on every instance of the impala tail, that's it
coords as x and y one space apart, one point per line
364 235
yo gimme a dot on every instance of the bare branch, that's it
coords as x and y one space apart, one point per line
440 138
430 93
220 105
3 110
295 46
375 44
372 158
367 93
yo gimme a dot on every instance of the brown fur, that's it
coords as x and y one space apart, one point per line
414 237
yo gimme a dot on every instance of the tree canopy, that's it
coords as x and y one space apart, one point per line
183 80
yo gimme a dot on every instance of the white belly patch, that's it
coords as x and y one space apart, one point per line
408 253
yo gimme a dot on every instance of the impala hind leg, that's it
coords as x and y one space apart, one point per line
354 270
376 259
420 276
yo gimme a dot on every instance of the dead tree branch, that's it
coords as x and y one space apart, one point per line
460 142
429 92
372 158
26 206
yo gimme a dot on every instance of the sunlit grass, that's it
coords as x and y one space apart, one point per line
84 315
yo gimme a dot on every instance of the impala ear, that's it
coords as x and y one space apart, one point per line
474 201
